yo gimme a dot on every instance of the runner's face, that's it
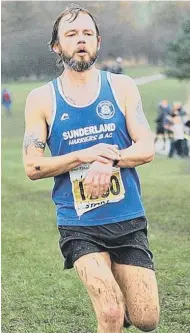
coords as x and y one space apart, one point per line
78 42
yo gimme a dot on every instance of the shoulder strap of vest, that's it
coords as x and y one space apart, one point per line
54 82
104 81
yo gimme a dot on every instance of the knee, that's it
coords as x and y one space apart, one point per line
112 315
147 324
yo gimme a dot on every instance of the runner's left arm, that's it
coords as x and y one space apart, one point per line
142 151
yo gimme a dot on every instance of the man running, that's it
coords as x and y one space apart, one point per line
101 219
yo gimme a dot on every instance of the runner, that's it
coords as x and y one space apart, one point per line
100 215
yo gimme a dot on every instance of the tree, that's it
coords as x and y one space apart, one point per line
179 54
164 21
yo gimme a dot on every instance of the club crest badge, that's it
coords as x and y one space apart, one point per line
105 110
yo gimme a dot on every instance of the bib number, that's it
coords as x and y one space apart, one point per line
83 204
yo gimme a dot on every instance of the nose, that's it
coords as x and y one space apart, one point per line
81 41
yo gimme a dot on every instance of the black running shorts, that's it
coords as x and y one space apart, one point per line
126 242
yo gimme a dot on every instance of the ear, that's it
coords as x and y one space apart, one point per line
56 48
99 40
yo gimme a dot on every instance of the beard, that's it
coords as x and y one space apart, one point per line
78 65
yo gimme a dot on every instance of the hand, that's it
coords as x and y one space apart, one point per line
97 180
101 152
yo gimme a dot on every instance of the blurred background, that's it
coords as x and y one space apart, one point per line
149 41
138 32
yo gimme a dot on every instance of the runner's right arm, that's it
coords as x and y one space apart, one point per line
38 166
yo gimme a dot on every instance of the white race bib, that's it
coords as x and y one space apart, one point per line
83 204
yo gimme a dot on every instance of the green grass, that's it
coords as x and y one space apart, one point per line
37 295
143 70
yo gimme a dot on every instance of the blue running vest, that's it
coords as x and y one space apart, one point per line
74 128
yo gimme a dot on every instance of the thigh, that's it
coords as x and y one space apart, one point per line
94 269
139 287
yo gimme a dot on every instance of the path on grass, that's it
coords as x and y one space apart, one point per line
146 79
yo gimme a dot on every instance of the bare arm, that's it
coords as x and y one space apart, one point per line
142 151
36 164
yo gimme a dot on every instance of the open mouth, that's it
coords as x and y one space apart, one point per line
82 52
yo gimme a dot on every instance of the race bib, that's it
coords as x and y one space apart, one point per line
83 204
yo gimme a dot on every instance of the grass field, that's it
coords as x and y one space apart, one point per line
37 295
143 70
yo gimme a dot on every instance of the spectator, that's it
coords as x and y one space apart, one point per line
117 68
178 131
163 123
6 101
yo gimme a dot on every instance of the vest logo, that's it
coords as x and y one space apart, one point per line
105 110
64 116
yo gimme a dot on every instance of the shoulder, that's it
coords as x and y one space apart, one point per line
40 100
125 86
123 82
40 94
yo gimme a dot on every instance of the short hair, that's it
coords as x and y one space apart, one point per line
74 11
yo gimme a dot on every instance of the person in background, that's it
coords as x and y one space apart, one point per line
6 101
162 122
187 135
184 117
178 106
177 128
117 67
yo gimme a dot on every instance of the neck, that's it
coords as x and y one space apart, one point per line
79 78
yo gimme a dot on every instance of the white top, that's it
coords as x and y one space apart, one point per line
178 131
